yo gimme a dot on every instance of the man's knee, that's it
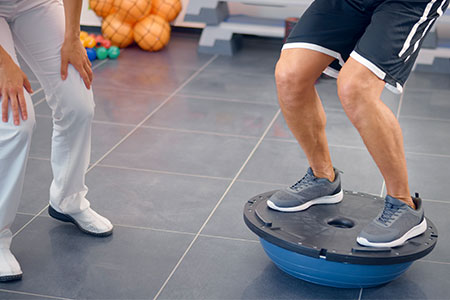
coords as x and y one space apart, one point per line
350 91
292 81
357 87
292 75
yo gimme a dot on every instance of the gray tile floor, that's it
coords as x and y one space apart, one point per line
180 142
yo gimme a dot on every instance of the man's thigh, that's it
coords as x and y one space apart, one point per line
331 27
392 40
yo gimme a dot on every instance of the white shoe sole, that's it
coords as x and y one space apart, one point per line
333 199
413 232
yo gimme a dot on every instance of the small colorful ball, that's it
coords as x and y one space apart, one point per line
98 39
106 44
102 8
89 42
132 11
92 55
118 32
152 33
102 53
83 35
167 9
113 52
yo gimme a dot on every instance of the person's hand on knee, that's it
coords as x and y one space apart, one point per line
12 82
73 52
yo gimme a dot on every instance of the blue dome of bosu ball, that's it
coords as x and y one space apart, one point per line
319 244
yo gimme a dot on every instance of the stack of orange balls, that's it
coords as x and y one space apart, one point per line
144 21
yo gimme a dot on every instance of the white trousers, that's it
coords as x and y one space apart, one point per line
36 30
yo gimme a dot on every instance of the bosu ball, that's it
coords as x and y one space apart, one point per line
319 244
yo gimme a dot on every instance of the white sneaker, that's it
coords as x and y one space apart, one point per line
88 221
9 266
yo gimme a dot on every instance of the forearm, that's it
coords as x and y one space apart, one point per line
72 11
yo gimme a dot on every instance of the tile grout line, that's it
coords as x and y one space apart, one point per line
428 154
215 98
218 203
422 89
201 132
292 141
154 111
132 90
25 214
36 91
167 231
434 262
29 222
33 294
154 229
360 294
38 158
164 128
184 233
262 182
164 172
39 102
426 118
228 238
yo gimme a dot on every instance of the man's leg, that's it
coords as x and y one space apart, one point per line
14 147
296 73
402 217
359 91
72 106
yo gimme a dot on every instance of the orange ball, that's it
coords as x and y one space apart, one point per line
167 9
152 33
117 31
83 35
102 8
132 11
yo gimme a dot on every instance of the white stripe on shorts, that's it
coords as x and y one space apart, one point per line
416 45
398 89
315 47
368 64
422 19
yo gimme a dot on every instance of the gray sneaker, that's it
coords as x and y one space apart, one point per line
308 191
396 224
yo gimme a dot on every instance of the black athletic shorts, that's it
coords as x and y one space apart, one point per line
383 35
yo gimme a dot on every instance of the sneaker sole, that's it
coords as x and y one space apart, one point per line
66 218
10 278
333 199
413 232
